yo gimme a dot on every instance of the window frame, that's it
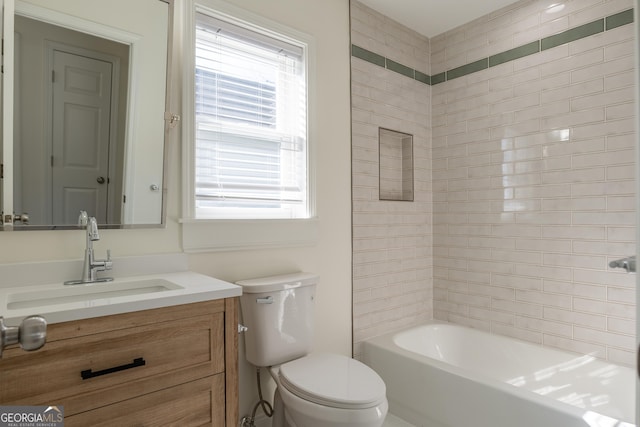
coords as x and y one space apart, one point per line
244 233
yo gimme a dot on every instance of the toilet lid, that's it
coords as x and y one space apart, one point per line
333 380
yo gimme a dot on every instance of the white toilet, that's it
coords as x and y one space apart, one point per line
318 390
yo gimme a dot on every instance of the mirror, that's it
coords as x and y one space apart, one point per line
89 102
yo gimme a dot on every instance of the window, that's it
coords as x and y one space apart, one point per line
250 123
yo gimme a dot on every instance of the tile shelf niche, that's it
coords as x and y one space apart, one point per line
395 165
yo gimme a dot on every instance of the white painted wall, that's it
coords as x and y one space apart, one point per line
328 23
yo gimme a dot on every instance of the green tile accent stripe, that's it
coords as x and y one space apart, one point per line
472 67
422 77
367 55
390 65
515 53
399 68
438 78
573 34
619 19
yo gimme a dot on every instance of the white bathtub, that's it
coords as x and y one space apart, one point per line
444 375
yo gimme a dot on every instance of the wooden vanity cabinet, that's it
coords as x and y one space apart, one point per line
169 366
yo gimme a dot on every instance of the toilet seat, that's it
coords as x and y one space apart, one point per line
333 380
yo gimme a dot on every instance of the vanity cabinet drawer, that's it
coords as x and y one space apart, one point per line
117 365
189 376
197 403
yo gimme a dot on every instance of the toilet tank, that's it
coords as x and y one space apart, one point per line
278 312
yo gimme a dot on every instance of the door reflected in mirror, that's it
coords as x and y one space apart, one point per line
89 106
76 85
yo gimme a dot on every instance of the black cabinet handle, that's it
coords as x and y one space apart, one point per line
89 374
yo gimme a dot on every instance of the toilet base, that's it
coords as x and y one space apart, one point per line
292 411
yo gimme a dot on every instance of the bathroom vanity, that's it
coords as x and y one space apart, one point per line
148 350
173 365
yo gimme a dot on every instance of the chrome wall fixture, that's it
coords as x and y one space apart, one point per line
629 264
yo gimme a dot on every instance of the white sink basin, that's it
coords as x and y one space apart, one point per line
58 303
87 292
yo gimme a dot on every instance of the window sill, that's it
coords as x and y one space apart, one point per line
246 234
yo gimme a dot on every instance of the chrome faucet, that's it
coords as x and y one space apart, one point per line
91 266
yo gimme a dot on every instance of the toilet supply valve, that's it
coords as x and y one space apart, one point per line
242 328
31 334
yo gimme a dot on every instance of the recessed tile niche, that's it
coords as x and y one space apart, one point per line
395 165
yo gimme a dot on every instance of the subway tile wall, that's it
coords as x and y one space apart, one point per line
533 180
526 170
392 240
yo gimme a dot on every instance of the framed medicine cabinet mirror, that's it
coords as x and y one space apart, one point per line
84 108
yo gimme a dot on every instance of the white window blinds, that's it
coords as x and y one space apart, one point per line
251 124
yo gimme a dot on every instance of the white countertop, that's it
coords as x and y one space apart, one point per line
190 287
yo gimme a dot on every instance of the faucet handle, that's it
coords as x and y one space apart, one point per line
108 264
92 229
83 218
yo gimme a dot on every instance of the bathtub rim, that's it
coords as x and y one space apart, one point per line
386 343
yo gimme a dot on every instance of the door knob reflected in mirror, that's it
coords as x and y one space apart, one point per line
23 218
